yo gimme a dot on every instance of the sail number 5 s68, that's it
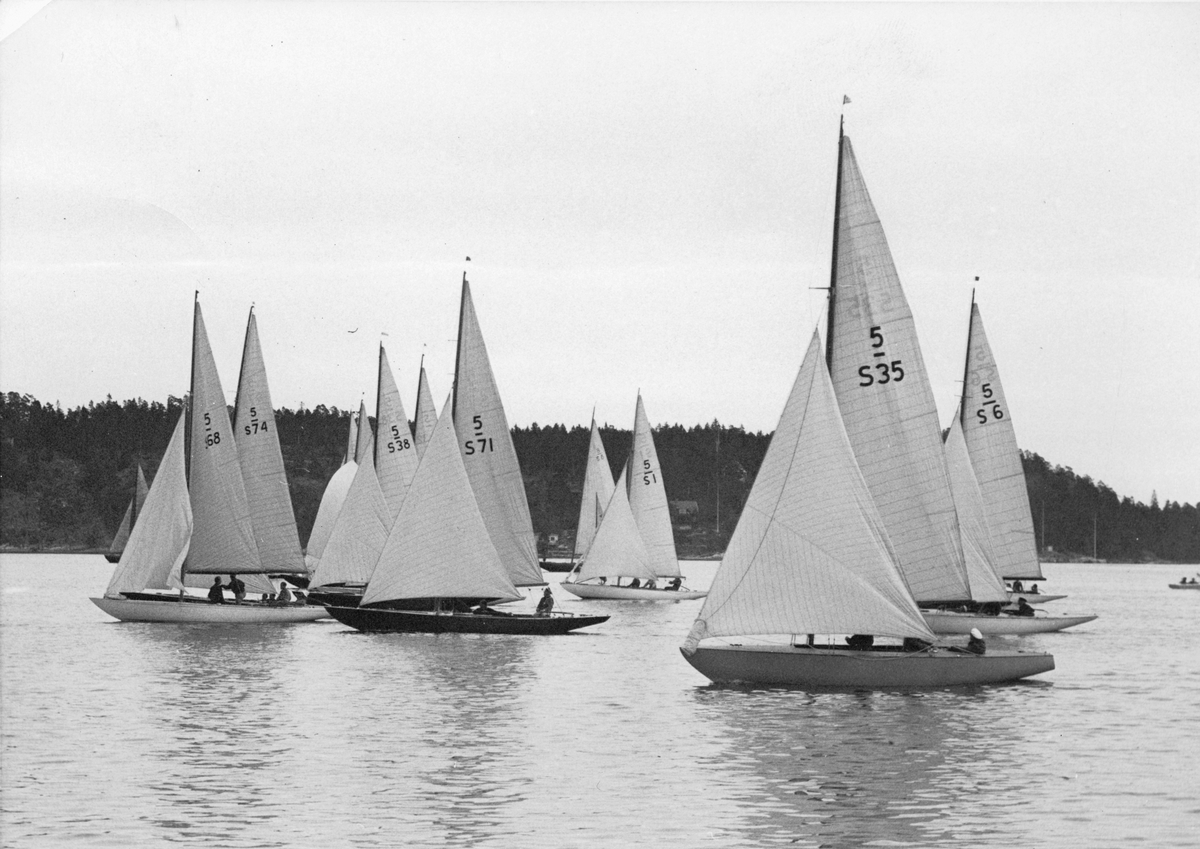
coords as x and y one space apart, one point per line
479 443
211 437
880 372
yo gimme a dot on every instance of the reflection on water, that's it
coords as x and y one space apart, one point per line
122 734
847 769
214 694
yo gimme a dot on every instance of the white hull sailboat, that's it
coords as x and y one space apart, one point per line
811 592
955 622
200 611
629 534
811 667
612 592
197 523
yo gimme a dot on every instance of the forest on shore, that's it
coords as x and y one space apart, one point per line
66 477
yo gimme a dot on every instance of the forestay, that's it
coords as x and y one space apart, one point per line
425 417
986 584
597 491
810 553
271 514
618 549
648 497
488 452
885 398
159 541
396 456
439 546
992 443
222 534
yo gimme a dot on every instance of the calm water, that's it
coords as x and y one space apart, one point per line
307 735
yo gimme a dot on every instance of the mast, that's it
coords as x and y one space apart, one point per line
458 348
837 211
378 401
187 425
962 398
417 406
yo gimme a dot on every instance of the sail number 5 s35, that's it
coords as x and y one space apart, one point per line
880 372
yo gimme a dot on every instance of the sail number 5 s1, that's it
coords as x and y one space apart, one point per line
880 372
479 443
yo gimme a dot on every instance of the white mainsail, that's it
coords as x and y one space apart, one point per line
488 452
132 511
222 533
271 513
396 456
618 549
986 584
597 490
439 546
885 398
810 554
425 416
331 503
648 497
992 444
358 534
159 541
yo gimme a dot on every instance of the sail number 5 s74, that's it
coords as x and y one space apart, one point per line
479 443
882 371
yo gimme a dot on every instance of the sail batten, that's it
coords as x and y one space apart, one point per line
261 460
648 497
488 452
439 546
886 402
810 553
992 445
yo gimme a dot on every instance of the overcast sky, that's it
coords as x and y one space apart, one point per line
645 192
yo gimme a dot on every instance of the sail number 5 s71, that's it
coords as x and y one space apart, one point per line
880 372
479 443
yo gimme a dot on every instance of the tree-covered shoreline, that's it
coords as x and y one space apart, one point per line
66 477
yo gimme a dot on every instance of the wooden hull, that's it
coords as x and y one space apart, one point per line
1034 598
950 622
141 610
608 592
1184 586
557 565
821 668
338 596
113 558
376 620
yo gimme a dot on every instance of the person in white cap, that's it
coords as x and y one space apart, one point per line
976 645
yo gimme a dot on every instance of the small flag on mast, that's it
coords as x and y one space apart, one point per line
845 99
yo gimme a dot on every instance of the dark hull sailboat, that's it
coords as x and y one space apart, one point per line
380 620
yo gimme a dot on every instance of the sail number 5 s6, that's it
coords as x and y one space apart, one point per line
880 372
990 404
479 443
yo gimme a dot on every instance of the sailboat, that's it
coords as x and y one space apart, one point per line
335 492
439 560
197 520
982 406
113 555
373 501
633 538
850 522
811 556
